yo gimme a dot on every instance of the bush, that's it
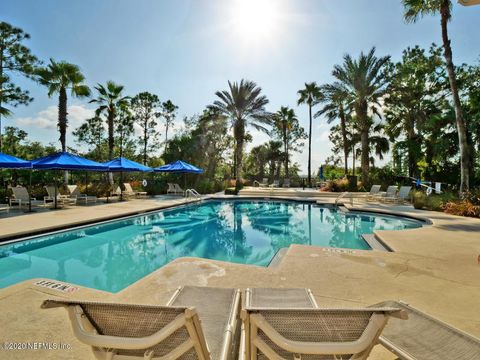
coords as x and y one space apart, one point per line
436 202
462 208
206 186
231 191
419 199
339 185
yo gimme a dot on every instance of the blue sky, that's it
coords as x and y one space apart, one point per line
185 50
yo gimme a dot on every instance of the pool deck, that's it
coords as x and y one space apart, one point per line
435 268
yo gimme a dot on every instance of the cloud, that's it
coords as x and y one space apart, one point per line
48 118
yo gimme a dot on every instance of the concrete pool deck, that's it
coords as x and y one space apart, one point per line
435 268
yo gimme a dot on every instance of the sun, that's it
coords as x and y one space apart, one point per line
255 20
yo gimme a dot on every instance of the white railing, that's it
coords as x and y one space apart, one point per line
193 193
342 196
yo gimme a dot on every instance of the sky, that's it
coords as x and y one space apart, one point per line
185 50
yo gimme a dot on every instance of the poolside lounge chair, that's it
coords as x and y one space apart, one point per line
264 182
389 195
21 197
130 192
281 332
403 194
4 207
286 183
53 191
423 337
374 190
127 331
171 189
75 192
178 189
276 184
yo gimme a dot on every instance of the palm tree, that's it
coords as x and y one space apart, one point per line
310 95
363 80
59 77
110 100
414 9
169 109
243 105
335 106
284 121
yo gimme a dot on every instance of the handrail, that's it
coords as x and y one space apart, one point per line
192 192
342 195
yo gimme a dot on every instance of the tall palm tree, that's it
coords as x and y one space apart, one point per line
59 77
335 106
284 120
363 80
244 105
310 95
110 100
415 9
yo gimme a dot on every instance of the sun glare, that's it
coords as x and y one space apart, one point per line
255 19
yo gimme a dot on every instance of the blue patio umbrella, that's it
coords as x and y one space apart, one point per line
179 167
122 164
12 162
66 161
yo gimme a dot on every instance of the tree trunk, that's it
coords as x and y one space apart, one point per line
111 143
353 160
285 146
365 157
412 151
145 141
461 128
239 134
343 127
62 124
310 147
2 49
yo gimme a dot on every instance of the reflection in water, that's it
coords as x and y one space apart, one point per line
114 255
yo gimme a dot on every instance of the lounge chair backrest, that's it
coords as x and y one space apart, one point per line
404 192
265 181
391 191
177 187
375 189
136 330
20 193
73 190
286 182
276 183
171 187
293 333
128 188
51 191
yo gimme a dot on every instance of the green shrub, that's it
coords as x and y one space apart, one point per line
231 191
206 186
419 199
339 185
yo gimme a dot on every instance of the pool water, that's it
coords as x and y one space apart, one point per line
113 255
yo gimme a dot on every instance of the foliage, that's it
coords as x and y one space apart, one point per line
419 199
309 95
338 185
243 105
169 110
462 208
145 107
16 59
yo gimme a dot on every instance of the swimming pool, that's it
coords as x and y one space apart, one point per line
113 255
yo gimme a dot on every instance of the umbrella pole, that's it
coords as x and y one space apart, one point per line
55 199
29 193
121 189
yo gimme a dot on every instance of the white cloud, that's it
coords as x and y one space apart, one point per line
48 118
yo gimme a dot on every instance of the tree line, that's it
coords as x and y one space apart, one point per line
423 109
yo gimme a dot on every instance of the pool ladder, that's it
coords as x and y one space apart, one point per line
342 196
193 193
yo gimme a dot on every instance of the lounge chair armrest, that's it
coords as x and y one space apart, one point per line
371 332
77 318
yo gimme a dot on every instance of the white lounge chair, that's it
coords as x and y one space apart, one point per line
286 183
21 197
275 184
53 191
178 189
171 189
197 323
374 190
264 182
389 195
130 192
75 192
4 207
403 194
282 332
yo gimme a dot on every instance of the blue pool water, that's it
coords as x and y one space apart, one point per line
113 255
